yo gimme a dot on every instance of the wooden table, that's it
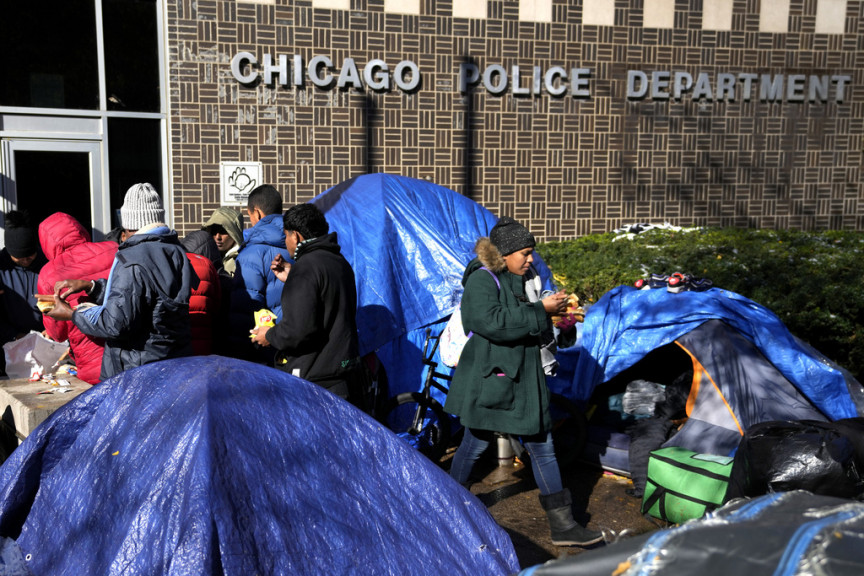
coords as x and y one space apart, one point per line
26 404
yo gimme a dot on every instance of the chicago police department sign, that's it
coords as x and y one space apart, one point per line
555 81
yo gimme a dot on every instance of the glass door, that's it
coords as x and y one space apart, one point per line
48 176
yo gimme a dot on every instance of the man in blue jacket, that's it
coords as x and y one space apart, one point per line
255 284
142 309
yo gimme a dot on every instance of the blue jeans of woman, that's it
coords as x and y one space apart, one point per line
544 465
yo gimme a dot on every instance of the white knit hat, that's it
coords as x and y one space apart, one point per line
141 206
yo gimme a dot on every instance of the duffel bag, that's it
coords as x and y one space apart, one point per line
683 485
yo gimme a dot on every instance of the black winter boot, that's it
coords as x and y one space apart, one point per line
565 530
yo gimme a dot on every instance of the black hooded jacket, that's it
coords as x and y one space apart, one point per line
316 338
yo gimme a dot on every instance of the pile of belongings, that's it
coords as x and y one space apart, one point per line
722 402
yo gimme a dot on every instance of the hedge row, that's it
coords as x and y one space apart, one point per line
813 281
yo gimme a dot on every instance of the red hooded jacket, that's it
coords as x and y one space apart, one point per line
71 255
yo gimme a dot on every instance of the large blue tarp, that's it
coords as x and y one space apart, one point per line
408 241
210 465
626 324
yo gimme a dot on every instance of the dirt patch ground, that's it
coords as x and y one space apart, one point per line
511 495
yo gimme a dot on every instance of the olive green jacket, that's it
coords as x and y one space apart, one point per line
499 383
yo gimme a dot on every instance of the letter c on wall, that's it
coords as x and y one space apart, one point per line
237 64
320 80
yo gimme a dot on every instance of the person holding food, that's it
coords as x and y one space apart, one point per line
142 309
71 254
316 337
254 285
499 385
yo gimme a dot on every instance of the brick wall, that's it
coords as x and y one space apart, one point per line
566 165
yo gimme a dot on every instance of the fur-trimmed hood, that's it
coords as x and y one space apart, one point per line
489 255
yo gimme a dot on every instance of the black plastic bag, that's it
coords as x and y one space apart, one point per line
824 458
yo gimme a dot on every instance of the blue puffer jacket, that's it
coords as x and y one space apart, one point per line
255 285
142 310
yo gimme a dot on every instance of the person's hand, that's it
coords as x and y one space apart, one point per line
61 310
259 335
64 288
556 304
280 267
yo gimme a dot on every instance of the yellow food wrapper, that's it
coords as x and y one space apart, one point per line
575 313
263 317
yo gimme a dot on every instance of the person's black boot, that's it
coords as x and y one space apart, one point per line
565 530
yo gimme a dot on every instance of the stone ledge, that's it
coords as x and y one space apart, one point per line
24 408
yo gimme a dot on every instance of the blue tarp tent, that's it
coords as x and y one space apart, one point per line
211 465
748 367
408 241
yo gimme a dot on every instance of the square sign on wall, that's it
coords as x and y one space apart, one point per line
238 179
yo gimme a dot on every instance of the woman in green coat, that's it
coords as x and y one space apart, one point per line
500 385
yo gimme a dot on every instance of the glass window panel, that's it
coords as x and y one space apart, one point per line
49 51
131 55
135 153
42 196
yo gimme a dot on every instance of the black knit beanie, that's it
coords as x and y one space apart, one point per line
20 237
509 236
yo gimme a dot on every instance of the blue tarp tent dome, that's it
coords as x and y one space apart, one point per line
408 241
210 465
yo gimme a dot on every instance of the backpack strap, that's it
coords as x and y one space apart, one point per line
494 277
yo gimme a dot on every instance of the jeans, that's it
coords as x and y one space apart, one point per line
544 465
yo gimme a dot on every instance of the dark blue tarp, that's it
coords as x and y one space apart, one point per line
626 324
783 534
211 465
408 241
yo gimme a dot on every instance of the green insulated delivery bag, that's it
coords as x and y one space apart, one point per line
683 485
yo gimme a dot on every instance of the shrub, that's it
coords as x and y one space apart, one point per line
812 280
